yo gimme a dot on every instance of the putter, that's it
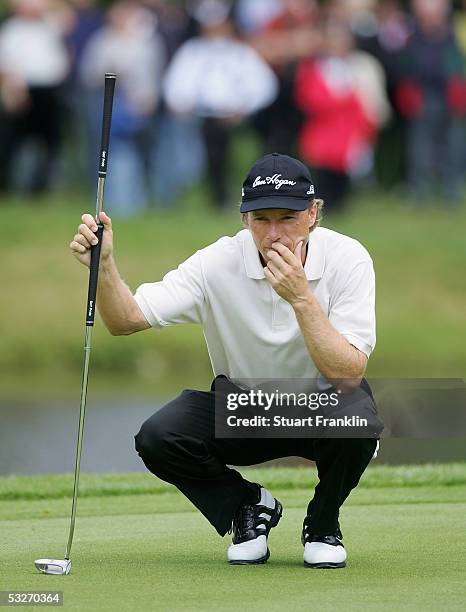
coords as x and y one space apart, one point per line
63 566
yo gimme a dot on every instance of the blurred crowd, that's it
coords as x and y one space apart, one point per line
361 90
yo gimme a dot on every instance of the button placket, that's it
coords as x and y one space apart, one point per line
282 312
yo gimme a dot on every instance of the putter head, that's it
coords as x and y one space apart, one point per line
53 566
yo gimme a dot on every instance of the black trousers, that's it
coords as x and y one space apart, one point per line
333 188
217 138
41 122
178 445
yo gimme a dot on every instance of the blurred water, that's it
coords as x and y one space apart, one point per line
42 439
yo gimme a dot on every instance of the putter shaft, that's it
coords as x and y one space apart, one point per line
82 412
84 383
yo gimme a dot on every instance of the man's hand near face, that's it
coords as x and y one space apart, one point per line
285 273
339 361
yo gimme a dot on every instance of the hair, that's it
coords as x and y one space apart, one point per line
318 202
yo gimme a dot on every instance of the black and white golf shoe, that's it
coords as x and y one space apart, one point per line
322 551
251 526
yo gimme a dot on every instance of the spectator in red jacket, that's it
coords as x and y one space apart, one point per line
431 95
341 91
288 38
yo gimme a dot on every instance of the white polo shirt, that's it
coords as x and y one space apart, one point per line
250 331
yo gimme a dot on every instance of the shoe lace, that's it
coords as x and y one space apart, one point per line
307 531
243 521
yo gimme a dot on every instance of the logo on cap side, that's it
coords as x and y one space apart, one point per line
272 180
310 191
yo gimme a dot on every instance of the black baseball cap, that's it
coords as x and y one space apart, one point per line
277 181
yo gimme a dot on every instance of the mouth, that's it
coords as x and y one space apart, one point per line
288 245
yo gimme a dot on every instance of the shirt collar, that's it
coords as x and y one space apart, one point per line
313 266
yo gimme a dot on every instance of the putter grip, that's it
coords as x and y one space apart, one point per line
93 277
106 122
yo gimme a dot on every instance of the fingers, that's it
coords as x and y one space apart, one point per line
89 226
288 255
298 251
270 277
82 241
284 252
87 234
279 261
89 221
275 270
105 219
77 248
85 237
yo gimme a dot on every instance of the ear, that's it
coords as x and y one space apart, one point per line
244 218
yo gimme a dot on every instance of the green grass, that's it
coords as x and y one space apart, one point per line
140 545
54 486
418 254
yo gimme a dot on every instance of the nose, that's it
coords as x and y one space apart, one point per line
274 234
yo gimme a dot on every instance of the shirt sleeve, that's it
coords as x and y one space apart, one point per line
183 78
257 80
178 298
352 311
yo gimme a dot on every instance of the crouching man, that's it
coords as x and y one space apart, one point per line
283 298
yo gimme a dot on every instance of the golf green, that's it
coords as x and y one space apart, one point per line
139 545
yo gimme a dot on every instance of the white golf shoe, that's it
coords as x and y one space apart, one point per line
322 552
251 526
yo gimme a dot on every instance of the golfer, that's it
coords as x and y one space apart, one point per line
284 298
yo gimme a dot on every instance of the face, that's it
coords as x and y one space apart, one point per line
289 227
338 40
431 13
30 8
